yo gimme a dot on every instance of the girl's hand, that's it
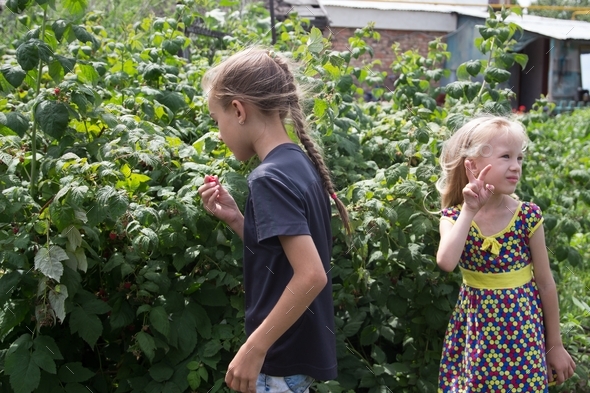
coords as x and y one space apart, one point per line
476 193
561 362
243 370
218 201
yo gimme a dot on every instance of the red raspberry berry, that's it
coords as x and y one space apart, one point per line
15 230
127 285
56 91
112 235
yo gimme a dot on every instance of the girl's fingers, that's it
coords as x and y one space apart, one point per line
469 171
484 172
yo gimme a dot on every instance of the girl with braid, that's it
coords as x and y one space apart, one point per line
285 227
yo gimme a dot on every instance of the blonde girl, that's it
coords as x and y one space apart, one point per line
504 333
285 227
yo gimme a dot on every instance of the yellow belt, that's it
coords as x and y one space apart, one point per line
512 279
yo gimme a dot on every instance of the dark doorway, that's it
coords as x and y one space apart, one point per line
529 83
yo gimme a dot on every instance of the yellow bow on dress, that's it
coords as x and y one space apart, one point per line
492 244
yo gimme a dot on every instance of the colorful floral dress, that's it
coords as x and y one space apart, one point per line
495 338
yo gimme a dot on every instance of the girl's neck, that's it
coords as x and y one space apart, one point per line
268 133
494 204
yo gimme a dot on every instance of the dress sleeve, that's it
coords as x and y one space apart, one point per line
533 218
278 210
450 214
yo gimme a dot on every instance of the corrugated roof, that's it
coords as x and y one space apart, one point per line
561 29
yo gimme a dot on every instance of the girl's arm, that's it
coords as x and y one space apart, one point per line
453 236
452 240
558 359
309 278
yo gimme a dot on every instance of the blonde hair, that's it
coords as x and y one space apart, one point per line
264 79
472 141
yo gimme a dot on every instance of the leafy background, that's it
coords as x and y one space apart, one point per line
114 279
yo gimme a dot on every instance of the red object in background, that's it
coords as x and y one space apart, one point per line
522 108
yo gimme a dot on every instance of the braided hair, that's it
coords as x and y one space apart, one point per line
264 79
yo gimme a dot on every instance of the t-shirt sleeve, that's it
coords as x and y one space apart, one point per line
533 218
450 214
278 210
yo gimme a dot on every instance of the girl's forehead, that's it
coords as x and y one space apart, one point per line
507 140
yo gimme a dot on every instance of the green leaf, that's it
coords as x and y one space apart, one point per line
14 75
171 99
16 357
48 261
146 344
161 372
211 348
351 328
15 121
91 304
202 319
53 118
396 368
581 304
159 320
44 361
12 313
83 35
17 6
494 74
122 313
88 326
369 335
521 59
75 6
74 237
455 89
319 107
47 343
171 46
462 73
194 380
67 63
8 283
27 55
57 301
473 67
315 42
87 74
59 27
74 372
210 295
25 374
345 83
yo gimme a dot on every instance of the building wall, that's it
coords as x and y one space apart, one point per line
408 40
564 69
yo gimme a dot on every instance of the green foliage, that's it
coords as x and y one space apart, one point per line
113 278
563 9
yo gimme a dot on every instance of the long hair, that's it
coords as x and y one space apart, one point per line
264 79
472 141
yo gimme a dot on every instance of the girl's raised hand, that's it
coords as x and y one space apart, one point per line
476 193
218 201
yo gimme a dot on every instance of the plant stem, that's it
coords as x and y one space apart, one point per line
483 84
34 133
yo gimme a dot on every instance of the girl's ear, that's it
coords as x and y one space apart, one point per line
239 110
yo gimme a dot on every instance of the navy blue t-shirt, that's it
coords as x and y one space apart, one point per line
286 198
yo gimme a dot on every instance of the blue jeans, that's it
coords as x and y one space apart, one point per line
290 384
